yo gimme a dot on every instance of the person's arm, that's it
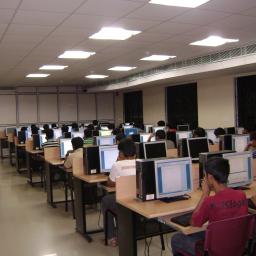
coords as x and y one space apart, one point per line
150 137
68 162
200 214
112 176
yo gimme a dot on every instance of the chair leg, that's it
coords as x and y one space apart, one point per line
72 203
162 242
106 228
66 196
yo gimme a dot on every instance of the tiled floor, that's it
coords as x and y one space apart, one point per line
29 227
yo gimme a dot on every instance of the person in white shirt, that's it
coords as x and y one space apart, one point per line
124 166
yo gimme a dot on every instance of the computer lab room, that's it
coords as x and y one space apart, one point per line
128 127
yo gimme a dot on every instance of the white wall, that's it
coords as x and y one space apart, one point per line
216 103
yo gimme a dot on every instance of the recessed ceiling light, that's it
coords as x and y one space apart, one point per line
112 33
214 41
158 57
76 55
180 3
96 76
37 75
121 68
52 67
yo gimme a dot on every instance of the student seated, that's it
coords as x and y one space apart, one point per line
50 140
34 129
212 208
252 145
161 123
77 152
75 127
88 138
54 126
160 135
119 137
124 166
218 132
64 128
45 128
200 132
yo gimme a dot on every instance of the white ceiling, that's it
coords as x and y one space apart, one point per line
33 33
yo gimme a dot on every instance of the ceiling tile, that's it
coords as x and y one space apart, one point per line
249 12
17 29
6 4
6 16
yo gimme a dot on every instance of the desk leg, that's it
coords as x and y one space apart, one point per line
126 232
10 152
1 148
17 158
49 190
30 175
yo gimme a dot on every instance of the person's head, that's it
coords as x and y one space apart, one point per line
217 171
49 134
120 136
32 125
46 126
219 131
87 133
116 131
74 126
77 143
127 149
64 128
161 123
54 125
23 129
253 138
34 130
95 122
90 127
160 135
199 132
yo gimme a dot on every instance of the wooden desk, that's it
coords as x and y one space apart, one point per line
82 181
32 154
18 149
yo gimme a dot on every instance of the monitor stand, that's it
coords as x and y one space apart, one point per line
174 199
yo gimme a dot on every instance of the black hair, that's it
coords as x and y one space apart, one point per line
23 129
34 130
219 131
74 125
127 147
253 136
77 142
219 168
161 123
95 122
32 125
120 136
160 134
199 132
116 131
87 133
49 134
46 126
64 128
90 127
54 125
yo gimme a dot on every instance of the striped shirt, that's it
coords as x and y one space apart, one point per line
50 143
88 141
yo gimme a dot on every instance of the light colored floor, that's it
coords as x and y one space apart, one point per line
29 227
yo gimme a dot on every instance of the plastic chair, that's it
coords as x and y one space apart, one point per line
227 237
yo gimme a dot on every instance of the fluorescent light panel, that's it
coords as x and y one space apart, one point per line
158 58
38 75
214 41
180 3
52 67
96 76
121 68
113 33
76 55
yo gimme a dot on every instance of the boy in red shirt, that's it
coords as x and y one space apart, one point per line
226 203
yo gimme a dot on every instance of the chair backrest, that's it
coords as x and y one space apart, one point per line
229 237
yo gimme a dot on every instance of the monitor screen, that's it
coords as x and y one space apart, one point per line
105 132
210 135
155 149
230 130
130 131
65 146
108 156
10 130
197 146
28 134
173 177
241 173
183 135
57 133
105 140
157 128
77 134
239 142
148 128
183 127
144 137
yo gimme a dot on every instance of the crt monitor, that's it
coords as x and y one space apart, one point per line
183 135
156 149
197 146
130 131
36 141
105 140
10 130
108 156
57 133
21 137
183 127
241 172
173 177
28 134
65 146
239 142
77 134
210 135
105 132
230 130
148 128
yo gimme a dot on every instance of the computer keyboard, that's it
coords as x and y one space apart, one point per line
183 220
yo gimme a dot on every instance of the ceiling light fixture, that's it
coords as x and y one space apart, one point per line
96 76
113 33
121 68
180 3
76 55
214 41
37 75
52 67
158 57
